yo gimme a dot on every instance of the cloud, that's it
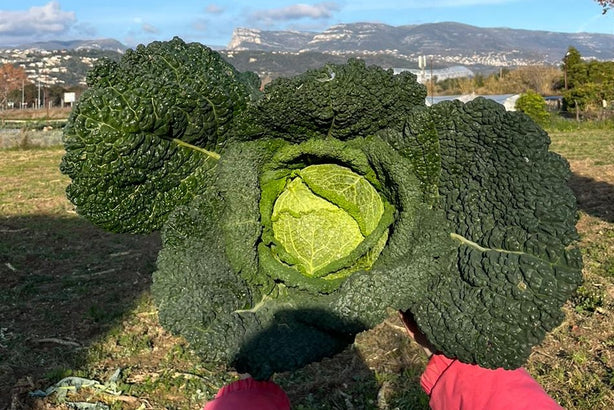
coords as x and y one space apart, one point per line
296 12
200 25
148 28
205 22
214 9
85 29
43 20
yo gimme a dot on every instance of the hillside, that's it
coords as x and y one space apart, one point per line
104 44
283 53
445 42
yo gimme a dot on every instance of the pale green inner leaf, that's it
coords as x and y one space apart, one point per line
348 190
298 199
312 230
365 262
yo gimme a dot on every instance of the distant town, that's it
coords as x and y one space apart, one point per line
57 67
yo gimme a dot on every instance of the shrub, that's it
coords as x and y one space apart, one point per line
534 105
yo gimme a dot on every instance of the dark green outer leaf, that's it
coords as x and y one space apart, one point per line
239 185
343 101
513 217
142 138
418 141
129 183
209 262
195 285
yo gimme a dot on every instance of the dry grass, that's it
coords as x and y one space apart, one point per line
575 363
32 183
32 114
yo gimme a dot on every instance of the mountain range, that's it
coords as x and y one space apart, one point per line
273 54
449 41
104 44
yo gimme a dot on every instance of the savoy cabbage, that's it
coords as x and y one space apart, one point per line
295 218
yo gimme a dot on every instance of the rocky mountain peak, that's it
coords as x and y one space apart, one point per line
448 41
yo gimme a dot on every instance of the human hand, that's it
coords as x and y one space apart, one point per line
415 333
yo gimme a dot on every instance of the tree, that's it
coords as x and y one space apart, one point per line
29 94
54 95
574 69
589 83
606 4
11 78
540 78
466 85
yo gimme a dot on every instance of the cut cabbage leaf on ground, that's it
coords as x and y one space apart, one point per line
295 218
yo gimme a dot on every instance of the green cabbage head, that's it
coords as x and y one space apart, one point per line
326 223
295 218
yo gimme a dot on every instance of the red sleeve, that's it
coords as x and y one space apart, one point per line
250 394
453 385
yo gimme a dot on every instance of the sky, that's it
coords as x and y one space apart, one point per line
136 22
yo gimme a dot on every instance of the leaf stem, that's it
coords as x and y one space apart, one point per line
474 245
211 154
